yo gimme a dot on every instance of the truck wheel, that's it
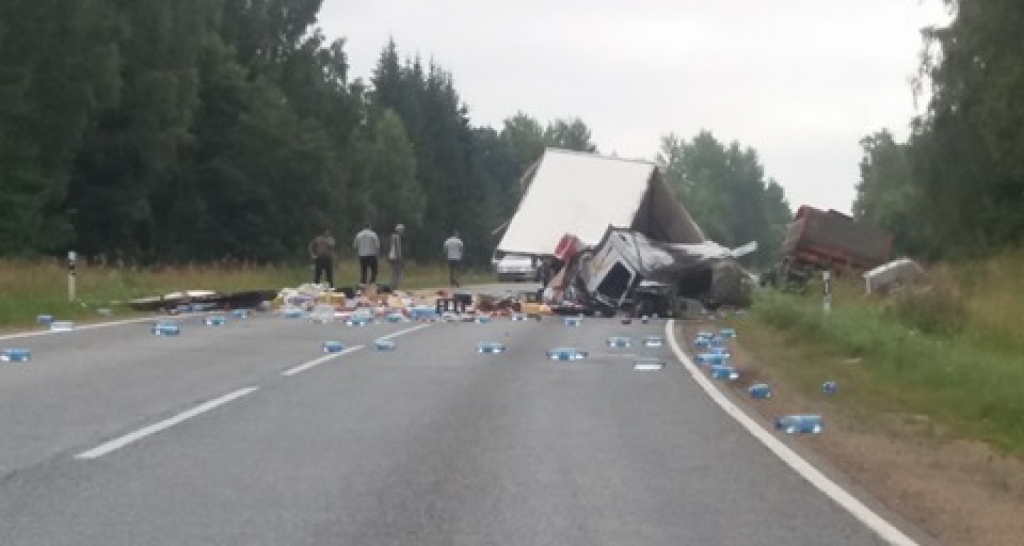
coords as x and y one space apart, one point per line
643 307
710 304
678 307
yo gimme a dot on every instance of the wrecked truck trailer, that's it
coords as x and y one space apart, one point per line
627 271
818 240
666 261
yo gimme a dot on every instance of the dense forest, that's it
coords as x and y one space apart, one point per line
955 188
146 131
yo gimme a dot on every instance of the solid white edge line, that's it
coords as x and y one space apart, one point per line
873 521
406 331
127 439
77 328
314 363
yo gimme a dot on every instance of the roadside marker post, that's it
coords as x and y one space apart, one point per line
72 257
826 277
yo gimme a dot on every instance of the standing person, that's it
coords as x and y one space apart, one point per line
453 251
321 250
396 255
367 246
544 271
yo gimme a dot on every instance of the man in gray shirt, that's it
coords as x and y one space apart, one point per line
453 251
367 246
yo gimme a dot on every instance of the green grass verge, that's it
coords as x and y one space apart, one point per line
28 289
935 353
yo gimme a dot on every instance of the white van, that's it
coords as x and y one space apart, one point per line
512 268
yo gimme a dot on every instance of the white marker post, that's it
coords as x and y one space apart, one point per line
826 277
71 275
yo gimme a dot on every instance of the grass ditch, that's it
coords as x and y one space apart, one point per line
951 352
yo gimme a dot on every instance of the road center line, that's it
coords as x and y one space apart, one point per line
314 363
327 358
127 439
406 331
873 521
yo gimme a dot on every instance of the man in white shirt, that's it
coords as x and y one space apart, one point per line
396 255
367 246
453 251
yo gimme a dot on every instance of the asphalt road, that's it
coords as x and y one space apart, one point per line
246 434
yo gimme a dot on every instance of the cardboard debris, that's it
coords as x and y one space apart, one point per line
441 305
196 300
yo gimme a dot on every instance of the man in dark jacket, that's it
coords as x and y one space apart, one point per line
321 250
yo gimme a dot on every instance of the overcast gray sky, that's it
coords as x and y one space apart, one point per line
800 81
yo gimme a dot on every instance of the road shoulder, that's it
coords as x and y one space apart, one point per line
902 466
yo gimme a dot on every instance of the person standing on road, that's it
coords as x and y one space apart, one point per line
453 251
367 246
321 250
544 271
396 255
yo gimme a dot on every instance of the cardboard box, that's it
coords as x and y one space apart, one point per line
336 299
395 302
536 309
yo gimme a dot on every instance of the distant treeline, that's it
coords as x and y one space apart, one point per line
726 190
150 131
955 188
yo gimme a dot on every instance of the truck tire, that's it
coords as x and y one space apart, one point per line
678 307
643 308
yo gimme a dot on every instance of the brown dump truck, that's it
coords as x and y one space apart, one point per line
818 240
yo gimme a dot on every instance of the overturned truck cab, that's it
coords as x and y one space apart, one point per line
629 272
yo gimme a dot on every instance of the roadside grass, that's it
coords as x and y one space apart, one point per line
952 353
994 296
30 288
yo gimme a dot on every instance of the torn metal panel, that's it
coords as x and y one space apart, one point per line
658 260
663 218
892 276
